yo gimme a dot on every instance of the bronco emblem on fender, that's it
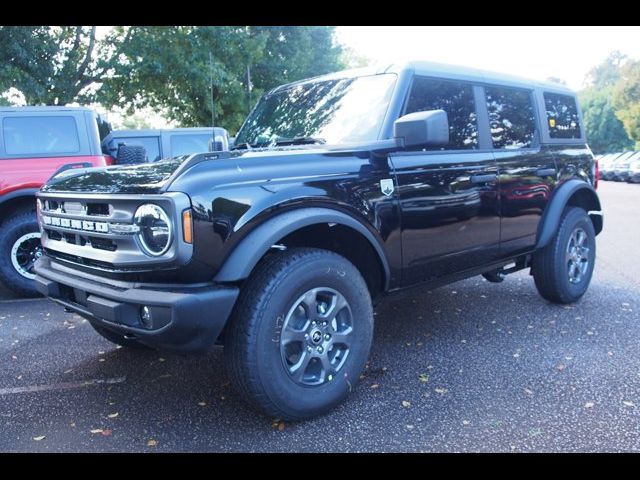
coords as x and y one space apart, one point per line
386 186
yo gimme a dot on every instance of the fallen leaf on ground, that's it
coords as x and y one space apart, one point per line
106 432
441 391
423 377
466 422
113 415
410 427
152 443
202 404
406 404
161 359
561 367
588 405
281 426
41 437
528 392
629 404
375 385
96 430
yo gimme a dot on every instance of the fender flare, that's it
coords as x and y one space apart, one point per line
553 213
251 249
23 192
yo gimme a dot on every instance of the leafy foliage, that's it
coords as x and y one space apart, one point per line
605 132
174 69
626 99
49 65
170 69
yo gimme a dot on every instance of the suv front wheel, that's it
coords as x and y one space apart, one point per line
301 333
562 270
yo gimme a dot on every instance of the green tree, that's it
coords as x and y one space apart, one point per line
173 69
626 99
607 73
604 130
49 65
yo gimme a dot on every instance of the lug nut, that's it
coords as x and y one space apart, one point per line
309 349
320 349
313 323
327 337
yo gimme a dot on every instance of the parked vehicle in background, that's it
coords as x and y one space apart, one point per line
634 170
150 145
35 142
604 164
607 171
279 247
621 168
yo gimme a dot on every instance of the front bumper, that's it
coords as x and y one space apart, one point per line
184 318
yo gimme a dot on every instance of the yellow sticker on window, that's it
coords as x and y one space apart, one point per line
552 122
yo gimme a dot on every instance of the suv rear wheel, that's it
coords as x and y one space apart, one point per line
19 249
300 334
562 270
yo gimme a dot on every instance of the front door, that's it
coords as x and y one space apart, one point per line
448 197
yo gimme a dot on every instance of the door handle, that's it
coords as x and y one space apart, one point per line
546 172
490 177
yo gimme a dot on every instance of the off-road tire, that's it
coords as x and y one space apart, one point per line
252 345
11 230
550 267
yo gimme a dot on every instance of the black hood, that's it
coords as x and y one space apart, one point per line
144 178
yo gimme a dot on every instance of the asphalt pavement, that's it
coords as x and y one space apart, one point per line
472 366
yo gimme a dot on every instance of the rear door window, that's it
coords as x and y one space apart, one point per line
185 144
40 135
562 115
511 117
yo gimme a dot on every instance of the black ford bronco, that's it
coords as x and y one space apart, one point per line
339 190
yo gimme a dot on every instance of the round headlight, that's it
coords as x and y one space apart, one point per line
155 229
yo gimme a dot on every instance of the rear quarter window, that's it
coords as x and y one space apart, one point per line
562 115
33 135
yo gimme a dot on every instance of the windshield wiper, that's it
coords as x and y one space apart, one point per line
243 146
299 141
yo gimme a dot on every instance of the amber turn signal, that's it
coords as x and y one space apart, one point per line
187 227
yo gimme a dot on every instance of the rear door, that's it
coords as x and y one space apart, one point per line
448 196
527 171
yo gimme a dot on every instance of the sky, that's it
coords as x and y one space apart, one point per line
537 53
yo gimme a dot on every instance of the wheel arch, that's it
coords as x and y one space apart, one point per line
17 202
292 226
575 193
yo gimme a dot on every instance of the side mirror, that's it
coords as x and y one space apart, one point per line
418 129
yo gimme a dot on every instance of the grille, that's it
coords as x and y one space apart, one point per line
99 230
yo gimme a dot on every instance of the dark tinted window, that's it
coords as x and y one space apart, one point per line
188 144
511 117
150 144
562 116
40 135
457 100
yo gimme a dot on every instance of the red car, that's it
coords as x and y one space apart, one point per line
35 143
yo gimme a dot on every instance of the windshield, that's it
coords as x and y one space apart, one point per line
328 111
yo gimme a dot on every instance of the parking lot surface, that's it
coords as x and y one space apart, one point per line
472 366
